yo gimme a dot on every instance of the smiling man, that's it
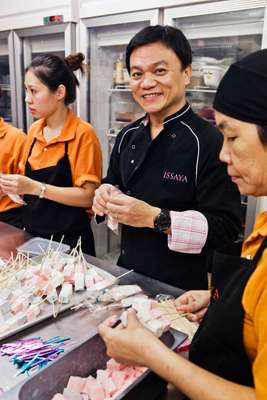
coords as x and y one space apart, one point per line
176 201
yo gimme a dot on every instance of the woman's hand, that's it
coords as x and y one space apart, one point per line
194 303
19 184
132 345
135 345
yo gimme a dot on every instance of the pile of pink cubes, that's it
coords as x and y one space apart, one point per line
108 384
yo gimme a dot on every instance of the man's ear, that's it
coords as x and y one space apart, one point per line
188 74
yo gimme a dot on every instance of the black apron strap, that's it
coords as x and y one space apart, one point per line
66 148
259 252
30 151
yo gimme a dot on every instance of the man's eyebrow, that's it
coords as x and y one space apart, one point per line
155 64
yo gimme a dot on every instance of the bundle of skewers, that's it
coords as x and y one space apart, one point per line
29 354
177 319
158 314
29 288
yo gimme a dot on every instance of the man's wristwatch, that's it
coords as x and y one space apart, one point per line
42 191
162 221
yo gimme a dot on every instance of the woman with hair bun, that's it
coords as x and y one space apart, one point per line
62 158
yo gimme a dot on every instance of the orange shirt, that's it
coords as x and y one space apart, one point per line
84 149
255 305
12 142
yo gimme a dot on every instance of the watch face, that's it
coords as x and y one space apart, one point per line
163 221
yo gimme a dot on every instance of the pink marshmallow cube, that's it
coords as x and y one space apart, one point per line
118 378
113 365
109 387
76 384
59 396
102 375
95 391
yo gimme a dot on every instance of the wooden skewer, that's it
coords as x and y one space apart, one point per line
112 281
175 313
178 317
124 274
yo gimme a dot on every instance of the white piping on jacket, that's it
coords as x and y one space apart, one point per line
130 129
177 116
198 147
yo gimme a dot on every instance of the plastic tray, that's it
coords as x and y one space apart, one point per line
39 245
2 262
84 360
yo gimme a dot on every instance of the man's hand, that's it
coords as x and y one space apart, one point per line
131 211
19 184
195 303
131 345
101 197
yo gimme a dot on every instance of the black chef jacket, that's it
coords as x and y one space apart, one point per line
179 170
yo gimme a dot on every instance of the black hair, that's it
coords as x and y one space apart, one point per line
54 71
262 132
171 37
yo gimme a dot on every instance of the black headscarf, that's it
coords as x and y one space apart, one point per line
242 92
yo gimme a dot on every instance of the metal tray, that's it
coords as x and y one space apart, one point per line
84 360
47 310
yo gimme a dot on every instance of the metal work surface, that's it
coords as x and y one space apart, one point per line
84 360
75 324
10 238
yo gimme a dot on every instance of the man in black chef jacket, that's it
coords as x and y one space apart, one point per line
165 183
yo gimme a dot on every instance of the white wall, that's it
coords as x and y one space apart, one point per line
261 204
16 14
93 8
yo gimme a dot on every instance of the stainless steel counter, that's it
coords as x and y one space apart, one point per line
10 238
75 324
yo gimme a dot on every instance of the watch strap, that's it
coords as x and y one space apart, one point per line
42 191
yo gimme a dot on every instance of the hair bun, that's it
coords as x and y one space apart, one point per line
75 61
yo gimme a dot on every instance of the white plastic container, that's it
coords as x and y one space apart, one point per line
40 245
197 75
212 75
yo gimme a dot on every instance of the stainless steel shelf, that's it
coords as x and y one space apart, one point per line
112 132
120 88
201 90
127 89
5 87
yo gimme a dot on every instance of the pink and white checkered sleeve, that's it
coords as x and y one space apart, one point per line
189 231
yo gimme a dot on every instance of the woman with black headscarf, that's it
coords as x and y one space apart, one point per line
228 355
